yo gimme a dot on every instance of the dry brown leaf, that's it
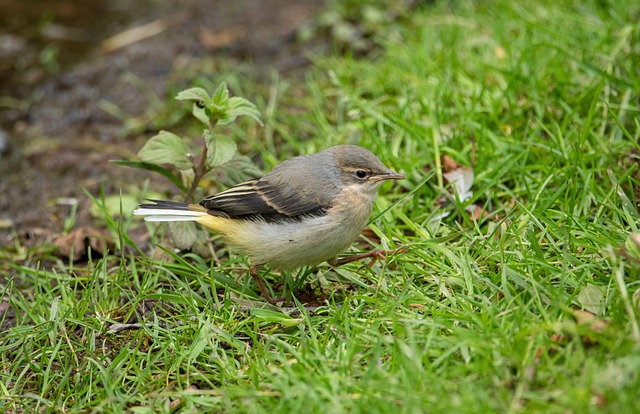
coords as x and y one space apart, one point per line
598 399
217 40
460 178
161 255
175 403
133 35
459 175
370 235
588 319
556 340
75 244
478 213
448 164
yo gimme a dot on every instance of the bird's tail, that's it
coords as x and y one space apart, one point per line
160 210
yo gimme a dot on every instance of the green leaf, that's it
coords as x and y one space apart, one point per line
270 316
240 107
183 234
238 169
220 97
166 148
202 102
220 149
200 113
194 94
155 168
592 298
198 346
116 204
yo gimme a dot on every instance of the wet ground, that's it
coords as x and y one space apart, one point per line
61 60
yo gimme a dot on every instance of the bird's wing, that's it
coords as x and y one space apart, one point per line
265 198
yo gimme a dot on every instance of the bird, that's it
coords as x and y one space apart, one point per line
305 211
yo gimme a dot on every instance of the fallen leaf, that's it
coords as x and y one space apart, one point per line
478 213
592 299
183 234
556 340
220 39
591 321
370 238
459 175
175 403
133 35
598 399
6 223
631 248
448 164
75 244
461 178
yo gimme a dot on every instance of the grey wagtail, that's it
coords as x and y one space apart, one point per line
302 213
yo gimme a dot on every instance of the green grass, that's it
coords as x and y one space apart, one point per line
476 317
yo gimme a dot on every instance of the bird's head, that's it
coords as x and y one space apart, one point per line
360 169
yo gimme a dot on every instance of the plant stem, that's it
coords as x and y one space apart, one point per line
199 172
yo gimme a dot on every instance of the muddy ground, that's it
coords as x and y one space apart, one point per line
60 59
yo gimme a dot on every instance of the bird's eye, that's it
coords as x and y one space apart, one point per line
361 173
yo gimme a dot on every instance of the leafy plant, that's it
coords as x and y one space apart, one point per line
171 155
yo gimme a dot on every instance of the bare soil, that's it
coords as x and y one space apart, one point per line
56 67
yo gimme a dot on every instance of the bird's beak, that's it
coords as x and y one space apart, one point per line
389 175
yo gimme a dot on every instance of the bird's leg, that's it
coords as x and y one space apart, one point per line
374 254
254 272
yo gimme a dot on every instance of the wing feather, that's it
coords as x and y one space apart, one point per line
259 198
295 188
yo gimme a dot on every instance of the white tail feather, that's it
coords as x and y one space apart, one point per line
159 214
170 218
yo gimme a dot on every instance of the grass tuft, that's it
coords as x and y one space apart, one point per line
533 307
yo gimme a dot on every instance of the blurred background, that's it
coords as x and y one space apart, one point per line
82 83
